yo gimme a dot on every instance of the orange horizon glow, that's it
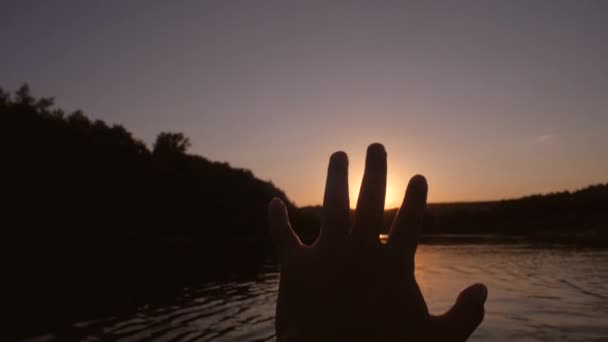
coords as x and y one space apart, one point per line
484 109
444 187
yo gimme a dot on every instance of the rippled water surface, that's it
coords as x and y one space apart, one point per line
536 294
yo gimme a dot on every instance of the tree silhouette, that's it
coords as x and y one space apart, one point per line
168 144
22 95
108 220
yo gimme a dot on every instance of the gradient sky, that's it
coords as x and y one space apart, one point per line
488 99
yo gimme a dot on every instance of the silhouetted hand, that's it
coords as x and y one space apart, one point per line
349 286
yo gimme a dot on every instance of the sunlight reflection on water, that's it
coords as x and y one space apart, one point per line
535 294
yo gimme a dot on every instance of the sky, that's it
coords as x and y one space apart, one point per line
488 99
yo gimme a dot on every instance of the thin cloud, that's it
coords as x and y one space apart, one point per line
546 139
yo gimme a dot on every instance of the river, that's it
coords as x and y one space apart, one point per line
555 293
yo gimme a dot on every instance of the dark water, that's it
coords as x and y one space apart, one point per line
536 294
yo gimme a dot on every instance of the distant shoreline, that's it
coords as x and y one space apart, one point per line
549 238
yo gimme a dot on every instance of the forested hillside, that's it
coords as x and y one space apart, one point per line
92 216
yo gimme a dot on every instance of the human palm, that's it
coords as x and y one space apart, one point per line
349 286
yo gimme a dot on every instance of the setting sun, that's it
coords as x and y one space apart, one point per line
394 191
394 195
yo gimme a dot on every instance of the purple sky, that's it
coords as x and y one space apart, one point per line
488 99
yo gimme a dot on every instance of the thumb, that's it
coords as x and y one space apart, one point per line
283 237
465 316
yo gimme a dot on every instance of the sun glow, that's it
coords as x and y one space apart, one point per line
393 198
397 177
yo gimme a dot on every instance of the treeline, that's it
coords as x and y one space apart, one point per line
92 218
575 215
566 217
